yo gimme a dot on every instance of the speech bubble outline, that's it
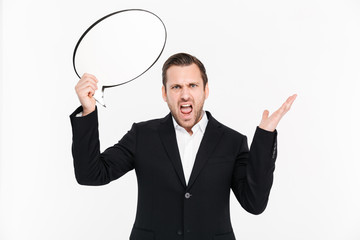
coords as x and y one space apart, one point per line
99 95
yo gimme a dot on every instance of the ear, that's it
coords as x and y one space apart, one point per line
163 90
206 90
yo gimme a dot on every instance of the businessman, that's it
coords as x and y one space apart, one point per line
185 163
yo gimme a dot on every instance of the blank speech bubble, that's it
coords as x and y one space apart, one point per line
119 48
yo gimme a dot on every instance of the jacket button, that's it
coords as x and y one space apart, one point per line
187 195
179 232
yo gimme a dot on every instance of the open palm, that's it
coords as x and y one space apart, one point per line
270 123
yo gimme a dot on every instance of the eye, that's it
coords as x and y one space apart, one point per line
175 87
193 85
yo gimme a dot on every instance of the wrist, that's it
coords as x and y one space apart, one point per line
87 111
267 128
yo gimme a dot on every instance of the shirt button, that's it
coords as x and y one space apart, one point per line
179 232
187 195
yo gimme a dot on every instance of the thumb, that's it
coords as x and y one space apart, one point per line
265 115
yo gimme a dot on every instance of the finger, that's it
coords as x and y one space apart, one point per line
291 99
285 107
87 84
83 90
289 102
86 80
88 75
265 115
86 93
91 92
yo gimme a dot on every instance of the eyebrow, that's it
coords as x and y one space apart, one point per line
189 83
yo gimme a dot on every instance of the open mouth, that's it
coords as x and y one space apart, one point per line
186 108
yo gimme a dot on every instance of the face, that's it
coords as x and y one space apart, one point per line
185 94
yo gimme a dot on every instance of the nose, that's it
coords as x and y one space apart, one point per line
185 94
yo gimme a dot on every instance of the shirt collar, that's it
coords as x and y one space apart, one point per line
200 125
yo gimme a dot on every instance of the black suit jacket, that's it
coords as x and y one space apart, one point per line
167 208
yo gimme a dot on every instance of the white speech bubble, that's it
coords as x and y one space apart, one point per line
119 48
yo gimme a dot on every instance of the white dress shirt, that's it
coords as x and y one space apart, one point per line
189 144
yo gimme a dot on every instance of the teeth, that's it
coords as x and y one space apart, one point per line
187 105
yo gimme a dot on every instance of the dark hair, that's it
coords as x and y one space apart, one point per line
183 59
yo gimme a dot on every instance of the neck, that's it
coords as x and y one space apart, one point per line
189 130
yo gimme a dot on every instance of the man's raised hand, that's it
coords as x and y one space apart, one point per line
270 123
85 90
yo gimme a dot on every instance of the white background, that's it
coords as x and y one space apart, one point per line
257 53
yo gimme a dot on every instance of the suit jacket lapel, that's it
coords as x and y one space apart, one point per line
210 139
168 138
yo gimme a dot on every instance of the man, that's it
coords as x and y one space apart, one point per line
185 163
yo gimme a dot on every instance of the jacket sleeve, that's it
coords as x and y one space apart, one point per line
91 166
253 171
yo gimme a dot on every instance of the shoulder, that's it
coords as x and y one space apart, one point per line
152 124
227 130
230 139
